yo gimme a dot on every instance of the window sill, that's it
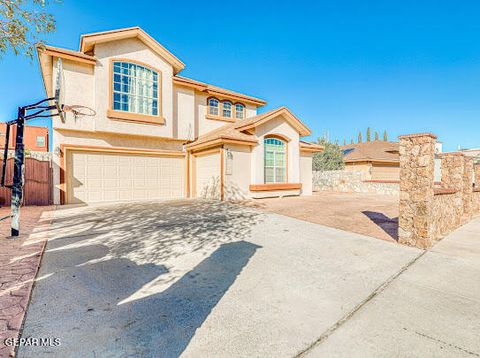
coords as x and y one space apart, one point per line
220 118
275 186
134 117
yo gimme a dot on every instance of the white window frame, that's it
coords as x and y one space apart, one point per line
144 97
230 110
275 166
237 112
216 107
43 141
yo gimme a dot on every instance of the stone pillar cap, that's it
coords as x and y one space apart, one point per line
405 136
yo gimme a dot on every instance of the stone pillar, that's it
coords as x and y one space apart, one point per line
467 189
417 166
453 167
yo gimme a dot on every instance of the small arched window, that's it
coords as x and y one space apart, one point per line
213 105
239 111
275 160
227 109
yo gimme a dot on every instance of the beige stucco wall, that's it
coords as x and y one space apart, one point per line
207 169
365 168
78 87
237 172
306 174
281 127
385 172
184 113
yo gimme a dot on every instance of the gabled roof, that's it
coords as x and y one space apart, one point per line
311 147
88 42
371 151
216 91
239 131
252 122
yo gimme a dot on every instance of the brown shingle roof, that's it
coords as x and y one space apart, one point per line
371 151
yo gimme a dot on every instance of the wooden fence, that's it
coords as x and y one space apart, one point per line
38 183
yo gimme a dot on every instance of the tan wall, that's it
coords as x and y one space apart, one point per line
306 173
184 113
207 176
385 172
365 168
237 172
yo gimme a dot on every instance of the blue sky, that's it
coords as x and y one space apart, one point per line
341 66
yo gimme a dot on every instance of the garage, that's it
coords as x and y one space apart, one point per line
111 176
207 181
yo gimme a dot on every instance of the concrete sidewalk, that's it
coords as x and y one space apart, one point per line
430 310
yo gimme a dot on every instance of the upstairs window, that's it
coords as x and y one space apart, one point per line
135 88
275 161
227 109
40 141
213 105
239 111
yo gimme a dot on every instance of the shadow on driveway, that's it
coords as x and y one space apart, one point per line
389 225
99 258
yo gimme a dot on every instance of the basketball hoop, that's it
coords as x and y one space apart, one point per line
79 111
47 108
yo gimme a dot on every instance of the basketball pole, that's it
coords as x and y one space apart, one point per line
17 187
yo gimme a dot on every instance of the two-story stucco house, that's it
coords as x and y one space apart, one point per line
157 135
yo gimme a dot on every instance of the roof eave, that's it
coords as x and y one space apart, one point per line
88 42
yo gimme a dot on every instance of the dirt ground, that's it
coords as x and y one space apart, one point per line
368 214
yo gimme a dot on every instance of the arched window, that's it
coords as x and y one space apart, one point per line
239 111
275 162
213 105
227 109
135 88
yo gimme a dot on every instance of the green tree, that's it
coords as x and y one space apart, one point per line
330 159
351 141
360 139
385 136
376 135
344 141
369 134
23 23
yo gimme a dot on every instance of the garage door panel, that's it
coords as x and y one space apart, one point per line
98 177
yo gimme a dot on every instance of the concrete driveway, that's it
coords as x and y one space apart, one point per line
211 279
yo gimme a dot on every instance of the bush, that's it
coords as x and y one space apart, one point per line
330 159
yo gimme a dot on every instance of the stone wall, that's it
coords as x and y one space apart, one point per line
428 213
351 182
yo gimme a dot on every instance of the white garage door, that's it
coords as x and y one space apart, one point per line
104 177
208 176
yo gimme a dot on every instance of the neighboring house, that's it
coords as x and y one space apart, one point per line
158 135
34 138
379 160
475 152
